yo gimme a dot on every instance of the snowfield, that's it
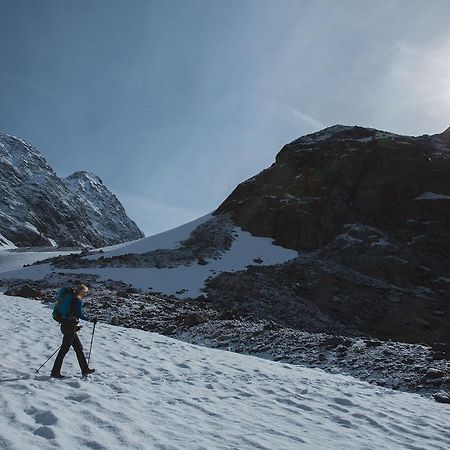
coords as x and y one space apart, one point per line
15 259
166 239
154 392
181 280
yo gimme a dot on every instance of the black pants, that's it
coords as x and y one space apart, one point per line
70 339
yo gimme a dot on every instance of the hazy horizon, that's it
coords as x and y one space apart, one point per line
173 103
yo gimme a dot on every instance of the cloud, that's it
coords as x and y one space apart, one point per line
304 118
416 87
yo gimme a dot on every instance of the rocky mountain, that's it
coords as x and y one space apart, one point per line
362 286
369 212
37 208
347 175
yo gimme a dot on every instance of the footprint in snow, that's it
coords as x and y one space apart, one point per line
343 401
45 432
42 378
46 418
78 398
41 416
343 422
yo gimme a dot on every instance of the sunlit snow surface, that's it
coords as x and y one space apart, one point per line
153 392
166 239
191 279
15 259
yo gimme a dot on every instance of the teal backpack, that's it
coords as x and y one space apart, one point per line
63 294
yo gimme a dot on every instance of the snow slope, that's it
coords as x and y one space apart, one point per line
14 260
166 239
245 248
5 243
154 392
106 213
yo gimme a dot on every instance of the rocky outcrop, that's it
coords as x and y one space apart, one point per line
37 208
316 294
208 240
346 175
370 213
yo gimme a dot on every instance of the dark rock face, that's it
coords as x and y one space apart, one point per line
315 294
345 175
40 209
25 291
370 213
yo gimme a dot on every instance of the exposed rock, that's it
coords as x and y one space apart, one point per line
115 320
193 319
442 397
40 209
24 291
340 175
318 295
372 211
432 373
208 240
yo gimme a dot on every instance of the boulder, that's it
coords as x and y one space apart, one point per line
26 291
442 397
193 319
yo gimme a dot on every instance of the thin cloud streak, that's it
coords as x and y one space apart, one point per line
304 118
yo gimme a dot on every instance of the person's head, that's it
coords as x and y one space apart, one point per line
81 291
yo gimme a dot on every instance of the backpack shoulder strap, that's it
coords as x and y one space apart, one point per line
73 306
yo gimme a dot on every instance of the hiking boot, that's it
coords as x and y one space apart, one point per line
87 372
57 375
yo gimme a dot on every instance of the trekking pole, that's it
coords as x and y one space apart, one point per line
92 339
37 370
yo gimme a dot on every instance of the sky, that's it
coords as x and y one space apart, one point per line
172 103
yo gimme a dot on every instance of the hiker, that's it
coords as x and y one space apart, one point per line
68 311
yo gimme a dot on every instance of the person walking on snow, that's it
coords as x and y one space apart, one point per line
70 310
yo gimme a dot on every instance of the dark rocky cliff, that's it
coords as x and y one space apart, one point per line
370 213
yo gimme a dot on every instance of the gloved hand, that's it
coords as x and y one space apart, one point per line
94 320
78 328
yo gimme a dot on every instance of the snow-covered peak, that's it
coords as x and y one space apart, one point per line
103 208
85 176
83 181
39 209
23 160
